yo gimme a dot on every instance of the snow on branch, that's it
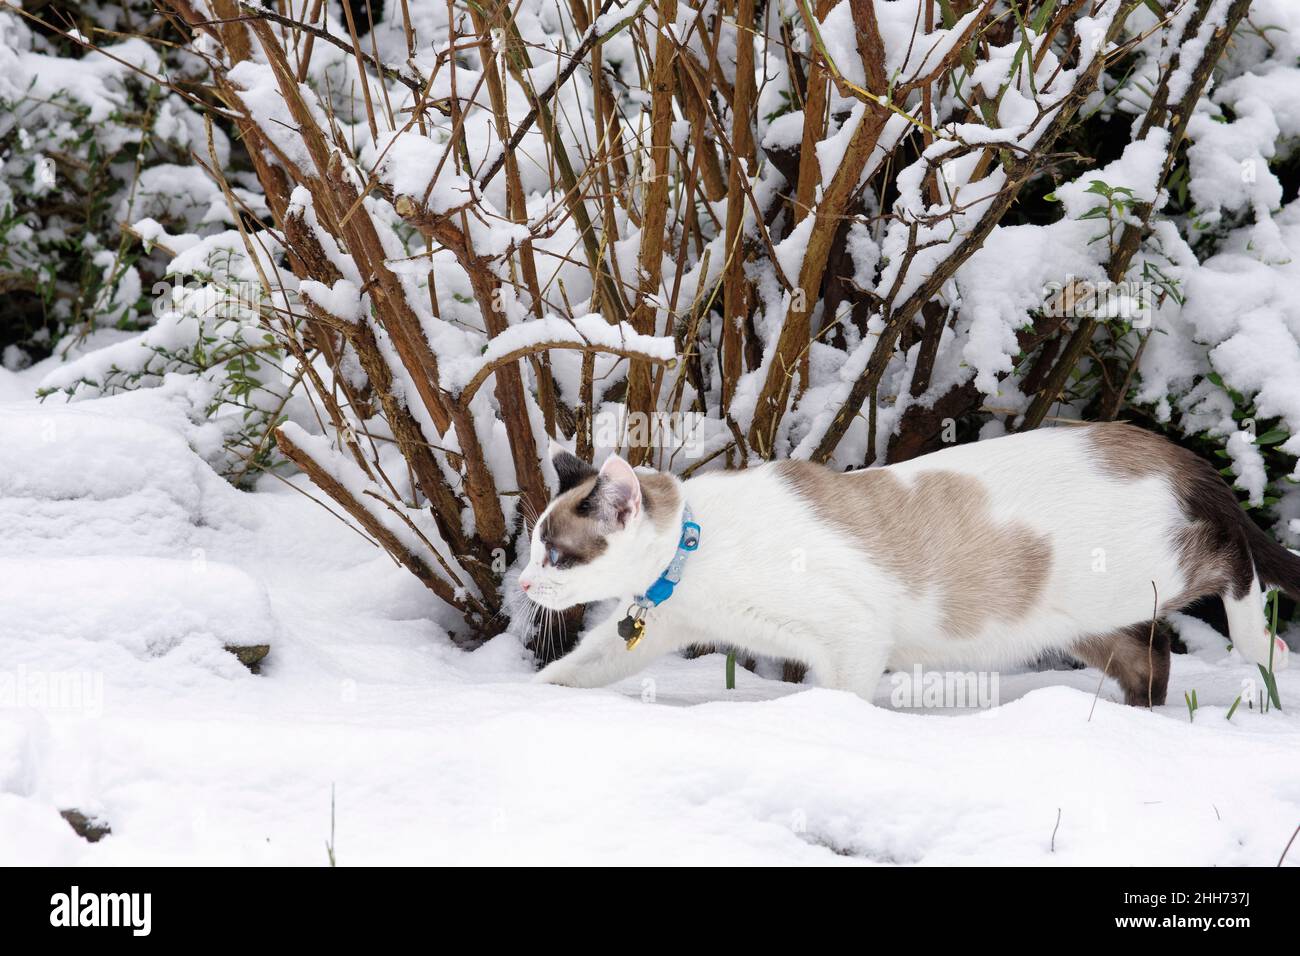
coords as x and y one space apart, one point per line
588 333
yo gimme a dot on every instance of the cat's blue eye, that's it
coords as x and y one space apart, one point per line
553 556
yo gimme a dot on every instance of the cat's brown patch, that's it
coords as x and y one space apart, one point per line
570 528
1136 656
1214 554
935 533
661 497
573 527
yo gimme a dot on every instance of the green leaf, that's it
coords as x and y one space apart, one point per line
1270 683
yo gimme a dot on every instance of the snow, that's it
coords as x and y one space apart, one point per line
342 300
586 330
122 578
1192 50
257 88
347 473
151 231
407 161
97 83
1138 169
1245 309
86 613
128 567
1005 280
612 18
784 132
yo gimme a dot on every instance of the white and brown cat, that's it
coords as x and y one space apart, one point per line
980 556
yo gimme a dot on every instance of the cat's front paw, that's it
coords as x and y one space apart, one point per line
560 674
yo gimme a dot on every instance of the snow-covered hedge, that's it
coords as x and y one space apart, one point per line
101 186
848 231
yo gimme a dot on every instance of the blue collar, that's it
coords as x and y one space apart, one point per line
632 627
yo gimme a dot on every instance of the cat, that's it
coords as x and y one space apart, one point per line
976 557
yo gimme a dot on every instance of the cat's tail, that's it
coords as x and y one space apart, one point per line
1276 566
1248 627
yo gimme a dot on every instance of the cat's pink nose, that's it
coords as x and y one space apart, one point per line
525 584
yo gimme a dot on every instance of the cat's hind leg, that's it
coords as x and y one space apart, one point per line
857 669
1137 656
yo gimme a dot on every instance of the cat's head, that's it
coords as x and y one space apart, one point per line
602 535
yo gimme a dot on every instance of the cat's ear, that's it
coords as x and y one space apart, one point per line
569 469
619 490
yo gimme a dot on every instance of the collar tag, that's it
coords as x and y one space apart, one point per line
632 627
690 535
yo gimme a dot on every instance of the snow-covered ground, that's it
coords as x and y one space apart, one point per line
126 565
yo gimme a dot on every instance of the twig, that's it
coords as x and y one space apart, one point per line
256 12
482 375
544 97
1105 672
1288 846
1151 644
